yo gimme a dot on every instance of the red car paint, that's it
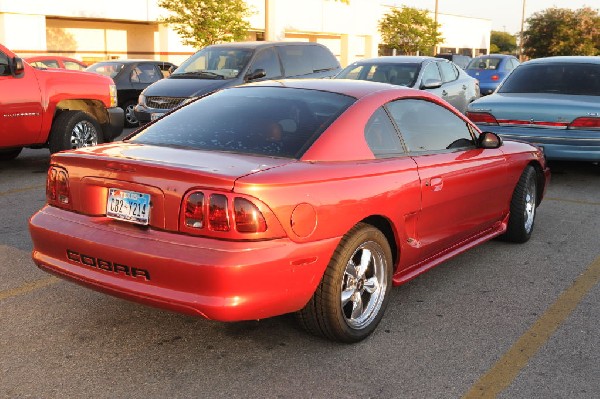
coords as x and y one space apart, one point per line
436 204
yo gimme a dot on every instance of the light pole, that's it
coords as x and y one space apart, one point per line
521 35
436 21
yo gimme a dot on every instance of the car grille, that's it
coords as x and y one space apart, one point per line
164 102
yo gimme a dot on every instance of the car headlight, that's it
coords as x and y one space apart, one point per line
142 99
112 90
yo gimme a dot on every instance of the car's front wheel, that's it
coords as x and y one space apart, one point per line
355 289
522 208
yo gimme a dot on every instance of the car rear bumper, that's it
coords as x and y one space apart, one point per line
219 280
558 144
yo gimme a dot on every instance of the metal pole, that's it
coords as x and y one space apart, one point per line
521 35
435 48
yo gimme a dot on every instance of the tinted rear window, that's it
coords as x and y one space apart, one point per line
270 121
301 60
575 79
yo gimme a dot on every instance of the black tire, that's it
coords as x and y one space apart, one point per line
7 155
346 284
74 129
130 118
522 208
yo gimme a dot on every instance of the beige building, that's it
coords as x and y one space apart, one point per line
108 29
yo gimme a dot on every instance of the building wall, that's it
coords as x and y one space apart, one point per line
108 29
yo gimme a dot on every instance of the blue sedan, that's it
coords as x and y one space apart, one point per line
491 70
552 102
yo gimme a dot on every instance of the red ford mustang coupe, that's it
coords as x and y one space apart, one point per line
308 196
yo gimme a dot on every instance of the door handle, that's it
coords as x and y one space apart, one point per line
436 183
464 87
444 93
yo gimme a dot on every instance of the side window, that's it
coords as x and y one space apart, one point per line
426 126
294 59
73 66
145 73
165 69
431 72
4 65
322 58
267 60
515 63
381 136
449 72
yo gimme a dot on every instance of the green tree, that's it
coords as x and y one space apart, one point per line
409 30
561 31
204 22
502 42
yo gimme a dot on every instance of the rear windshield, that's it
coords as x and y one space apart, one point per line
484 63
270 121
575 79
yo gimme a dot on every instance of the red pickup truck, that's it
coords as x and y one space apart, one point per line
58 109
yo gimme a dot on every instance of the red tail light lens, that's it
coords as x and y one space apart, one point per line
248 218
194 210
58 192
482 117
585 123
495 77
218 213
51 185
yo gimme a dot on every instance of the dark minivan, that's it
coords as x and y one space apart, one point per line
223 65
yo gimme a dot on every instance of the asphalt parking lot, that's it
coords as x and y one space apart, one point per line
505 320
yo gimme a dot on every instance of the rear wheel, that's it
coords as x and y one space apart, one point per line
354 291
7 155
522 208
74 129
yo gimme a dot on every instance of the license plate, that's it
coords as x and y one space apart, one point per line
128 205
155 115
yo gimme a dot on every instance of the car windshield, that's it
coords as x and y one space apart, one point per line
214 63
484 63
567 78
106 68
397 74
270 121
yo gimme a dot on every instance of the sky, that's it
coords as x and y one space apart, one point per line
504 14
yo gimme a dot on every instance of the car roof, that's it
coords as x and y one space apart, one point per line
395 59
494 56
349 87
51 57
132 61
574 59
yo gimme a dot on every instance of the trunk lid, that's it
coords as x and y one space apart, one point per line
164 173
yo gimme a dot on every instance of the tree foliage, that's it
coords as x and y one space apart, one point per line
504 42
204 22
409 30
562 31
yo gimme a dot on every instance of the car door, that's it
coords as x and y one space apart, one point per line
431 72
21 110
463 188
455 88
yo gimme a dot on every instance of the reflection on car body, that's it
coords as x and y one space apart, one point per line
305 196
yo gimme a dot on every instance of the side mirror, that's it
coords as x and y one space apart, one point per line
256 74
17 67
431 84
489 140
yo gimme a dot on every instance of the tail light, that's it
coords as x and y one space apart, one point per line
495 78
482 117
228 216
218 213
585 123
58 192
248 218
